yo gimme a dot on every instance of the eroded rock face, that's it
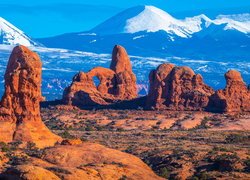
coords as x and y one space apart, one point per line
20 109
177 88
115 84
234 98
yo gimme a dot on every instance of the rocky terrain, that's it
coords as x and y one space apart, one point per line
177 145
29 150
172 131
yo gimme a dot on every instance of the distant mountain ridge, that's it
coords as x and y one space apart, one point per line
150 31
152 19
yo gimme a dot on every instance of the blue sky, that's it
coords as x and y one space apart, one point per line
52 17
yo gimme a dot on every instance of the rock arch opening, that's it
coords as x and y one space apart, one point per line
96 81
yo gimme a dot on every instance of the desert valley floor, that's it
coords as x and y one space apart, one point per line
176 145
194 145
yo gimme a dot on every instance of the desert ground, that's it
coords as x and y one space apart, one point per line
176 145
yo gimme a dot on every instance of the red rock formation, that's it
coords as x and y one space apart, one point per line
20 109
234 98
116 84
177 88
120 60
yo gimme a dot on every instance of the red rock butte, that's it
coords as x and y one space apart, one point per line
20 105
177 88
234 98
116 84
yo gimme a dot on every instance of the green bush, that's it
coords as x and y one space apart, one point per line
66 135
164 172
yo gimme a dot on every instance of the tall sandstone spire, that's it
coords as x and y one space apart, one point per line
20 118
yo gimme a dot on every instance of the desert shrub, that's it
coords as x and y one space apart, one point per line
4 147
124 177
141 118
237 138
130 149
119 164
33 151
201 176
17 159
203 124
100 128
89 128
164 172
178 153
155 127
158 123
119 129
9 147
222 149
66 135
59 170
225 162
247 164
31 145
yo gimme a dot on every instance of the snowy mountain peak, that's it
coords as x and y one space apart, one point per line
153 19
11 35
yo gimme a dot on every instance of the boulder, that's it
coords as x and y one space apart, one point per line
20 118
177 88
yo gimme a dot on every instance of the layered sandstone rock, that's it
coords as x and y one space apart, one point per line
83 161
20 109
177 88
116 84
234 98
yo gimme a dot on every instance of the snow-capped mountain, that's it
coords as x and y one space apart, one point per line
239 22
11 35
152 19
150 31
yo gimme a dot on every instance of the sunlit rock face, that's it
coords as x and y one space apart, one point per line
115 84
20 109
177 88
234 98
